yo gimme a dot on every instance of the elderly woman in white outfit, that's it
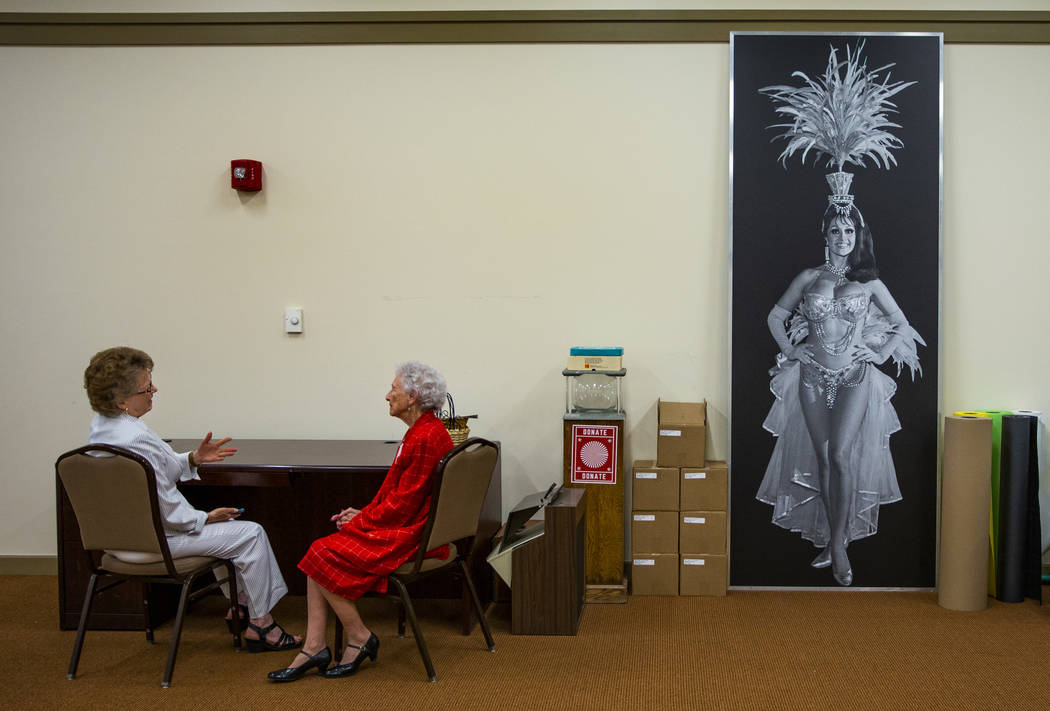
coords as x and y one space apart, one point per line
120 389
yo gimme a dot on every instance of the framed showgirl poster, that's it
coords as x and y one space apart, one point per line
836 145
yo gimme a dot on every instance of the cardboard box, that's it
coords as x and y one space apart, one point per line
654 488
682 434
654 532
704 488
606 362
654 574
702 532
702 574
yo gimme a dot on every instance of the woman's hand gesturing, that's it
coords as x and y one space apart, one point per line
208 451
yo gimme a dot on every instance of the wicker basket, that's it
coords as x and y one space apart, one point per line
455 424
457 429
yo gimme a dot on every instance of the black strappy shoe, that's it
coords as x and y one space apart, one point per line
321 660
242 610
368 650
283 643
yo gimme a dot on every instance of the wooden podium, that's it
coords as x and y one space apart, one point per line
605 581
547 572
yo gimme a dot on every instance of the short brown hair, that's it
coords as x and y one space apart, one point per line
112 375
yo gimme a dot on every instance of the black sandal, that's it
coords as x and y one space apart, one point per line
284 643
242 610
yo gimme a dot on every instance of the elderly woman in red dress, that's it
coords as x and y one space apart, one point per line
375 541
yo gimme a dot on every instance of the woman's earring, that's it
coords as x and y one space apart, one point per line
126 410
827 253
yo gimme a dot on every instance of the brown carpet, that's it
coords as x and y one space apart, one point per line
749 650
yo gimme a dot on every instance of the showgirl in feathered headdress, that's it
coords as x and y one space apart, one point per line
831 467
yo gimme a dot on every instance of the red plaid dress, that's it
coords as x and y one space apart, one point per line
357 558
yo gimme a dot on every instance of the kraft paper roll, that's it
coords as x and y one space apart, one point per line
1044 475
1014 493
993 507
966 495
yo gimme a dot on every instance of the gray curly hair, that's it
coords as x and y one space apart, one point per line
424 382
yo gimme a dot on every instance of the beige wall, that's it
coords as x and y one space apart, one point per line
479 207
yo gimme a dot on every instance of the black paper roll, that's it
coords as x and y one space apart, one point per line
1033 548
1013 506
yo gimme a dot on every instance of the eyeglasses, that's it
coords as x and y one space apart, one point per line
147 391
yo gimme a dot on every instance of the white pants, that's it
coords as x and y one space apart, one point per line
245 543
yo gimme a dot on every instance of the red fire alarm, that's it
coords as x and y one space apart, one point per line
246 175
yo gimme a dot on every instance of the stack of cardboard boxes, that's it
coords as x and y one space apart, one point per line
678 517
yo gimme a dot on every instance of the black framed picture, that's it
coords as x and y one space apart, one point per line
836 196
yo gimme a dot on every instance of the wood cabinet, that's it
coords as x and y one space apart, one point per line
547 573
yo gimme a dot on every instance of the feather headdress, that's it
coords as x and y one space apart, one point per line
842 115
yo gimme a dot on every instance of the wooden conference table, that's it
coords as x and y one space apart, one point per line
291 487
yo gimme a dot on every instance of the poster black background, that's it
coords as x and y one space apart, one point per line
776 234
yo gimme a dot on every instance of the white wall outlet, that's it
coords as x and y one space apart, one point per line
293 320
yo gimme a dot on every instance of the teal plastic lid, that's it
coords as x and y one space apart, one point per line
584 351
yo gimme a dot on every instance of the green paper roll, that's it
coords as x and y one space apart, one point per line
962 580
997 455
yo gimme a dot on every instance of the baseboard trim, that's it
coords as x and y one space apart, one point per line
28 565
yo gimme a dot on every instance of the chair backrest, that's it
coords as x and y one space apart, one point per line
461 480
114 497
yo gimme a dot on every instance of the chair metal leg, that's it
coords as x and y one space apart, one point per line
176 632
145 612
416 632
85 611
477 607
235 613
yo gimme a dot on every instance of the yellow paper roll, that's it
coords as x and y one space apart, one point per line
966 497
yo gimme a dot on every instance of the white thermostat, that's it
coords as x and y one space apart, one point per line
293 320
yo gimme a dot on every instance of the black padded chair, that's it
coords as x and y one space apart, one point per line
114 496
460 482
